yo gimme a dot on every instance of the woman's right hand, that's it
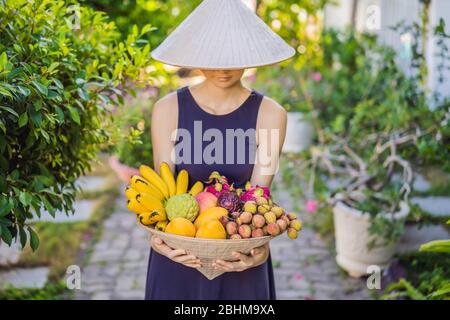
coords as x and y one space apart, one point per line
177 255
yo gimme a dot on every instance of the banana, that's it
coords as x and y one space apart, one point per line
149 202
167 176
149 218
141 185
196 188
161 225
136 207
131 193
182 181
151 176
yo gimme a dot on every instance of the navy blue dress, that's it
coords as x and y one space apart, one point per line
223 143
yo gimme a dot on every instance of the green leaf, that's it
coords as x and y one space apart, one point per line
45 135
5 92
23 119
60 114
24 91
83 94
58 83
3 61
6 235
34 239
23 237
74 114
25 198
5 208
40 87
9 110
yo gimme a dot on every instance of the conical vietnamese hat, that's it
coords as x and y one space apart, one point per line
222 34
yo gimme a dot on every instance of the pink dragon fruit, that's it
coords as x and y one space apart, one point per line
252 192
218 184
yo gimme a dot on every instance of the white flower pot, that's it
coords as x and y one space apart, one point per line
299 132
352 236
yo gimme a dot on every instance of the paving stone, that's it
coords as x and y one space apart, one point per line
130 295
101 295
436 206
125 283
24 278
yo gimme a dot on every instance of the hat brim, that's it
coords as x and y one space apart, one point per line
222 67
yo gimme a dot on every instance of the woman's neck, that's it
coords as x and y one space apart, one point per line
220 100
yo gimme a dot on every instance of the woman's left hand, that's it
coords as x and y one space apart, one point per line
256 257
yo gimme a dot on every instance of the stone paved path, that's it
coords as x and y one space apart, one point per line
304 269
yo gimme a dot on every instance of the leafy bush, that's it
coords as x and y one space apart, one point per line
166 15
300 24
51 291
62 67
427 277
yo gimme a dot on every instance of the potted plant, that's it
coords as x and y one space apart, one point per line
374 126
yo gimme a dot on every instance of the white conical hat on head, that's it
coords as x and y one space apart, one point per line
222 34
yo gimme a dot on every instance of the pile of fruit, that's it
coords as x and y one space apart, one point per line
215 210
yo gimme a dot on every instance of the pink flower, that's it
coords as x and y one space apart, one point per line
316 76
251 77
298 277
311 205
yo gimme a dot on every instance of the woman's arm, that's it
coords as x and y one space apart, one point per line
270 135
271 131
164 125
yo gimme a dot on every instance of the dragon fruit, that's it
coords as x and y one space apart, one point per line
218 184
251 193
217 189
230 201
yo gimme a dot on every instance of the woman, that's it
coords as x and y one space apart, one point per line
207 113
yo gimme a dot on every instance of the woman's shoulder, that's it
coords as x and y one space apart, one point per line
166 104
271 108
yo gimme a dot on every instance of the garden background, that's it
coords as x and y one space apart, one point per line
368 131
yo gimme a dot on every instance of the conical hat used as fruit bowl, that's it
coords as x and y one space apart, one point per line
208 250
222 34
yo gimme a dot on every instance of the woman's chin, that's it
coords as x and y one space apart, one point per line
224 84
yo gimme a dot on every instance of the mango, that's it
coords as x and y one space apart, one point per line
211 229
181 227
214 213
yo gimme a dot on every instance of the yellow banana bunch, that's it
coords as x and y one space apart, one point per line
149 202
161 225
131 193
151 176
149 218
182 182
136 207
141 185
196 188
167 176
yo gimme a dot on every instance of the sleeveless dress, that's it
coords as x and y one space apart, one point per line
169 280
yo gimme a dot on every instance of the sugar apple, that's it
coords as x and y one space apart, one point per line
182 206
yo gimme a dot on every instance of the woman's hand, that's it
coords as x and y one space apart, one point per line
177 255
257 257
